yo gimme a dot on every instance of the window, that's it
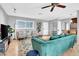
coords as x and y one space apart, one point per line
45 28
67 26
20 24
29 24
59 31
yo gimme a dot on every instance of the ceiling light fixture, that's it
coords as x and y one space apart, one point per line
14 10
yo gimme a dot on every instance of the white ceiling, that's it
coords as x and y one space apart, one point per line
33 10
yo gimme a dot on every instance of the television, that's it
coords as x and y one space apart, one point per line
4 31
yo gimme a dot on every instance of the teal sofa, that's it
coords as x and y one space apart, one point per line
53 47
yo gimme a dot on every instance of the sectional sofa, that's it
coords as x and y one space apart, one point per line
55 46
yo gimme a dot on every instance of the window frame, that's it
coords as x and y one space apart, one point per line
16 26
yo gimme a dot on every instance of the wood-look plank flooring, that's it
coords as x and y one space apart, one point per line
13 49
73 51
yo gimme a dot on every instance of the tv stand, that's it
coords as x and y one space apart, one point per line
4 45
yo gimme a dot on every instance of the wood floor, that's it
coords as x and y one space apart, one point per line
73 51
13 49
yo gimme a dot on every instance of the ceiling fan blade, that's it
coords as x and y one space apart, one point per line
46 6
52 8
61 6
54 3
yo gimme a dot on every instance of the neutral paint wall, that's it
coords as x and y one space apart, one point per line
3 16
12 20
52 24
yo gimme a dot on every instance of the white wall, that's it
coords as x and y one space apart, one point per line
3 16
12 21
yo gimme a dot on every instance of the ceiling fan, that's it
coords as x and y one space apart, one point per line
53 5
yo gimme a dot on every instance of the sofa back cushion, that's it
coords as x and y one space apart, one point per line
54 37
57 36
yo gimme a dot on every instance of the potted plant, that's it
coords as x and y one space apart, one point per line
10 30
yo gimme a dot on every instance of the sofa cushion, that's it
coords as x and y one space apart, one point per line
61 35
58 46
58 36
54 37
38 39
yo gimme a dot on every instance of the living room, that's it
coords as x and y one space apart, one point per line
29 20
